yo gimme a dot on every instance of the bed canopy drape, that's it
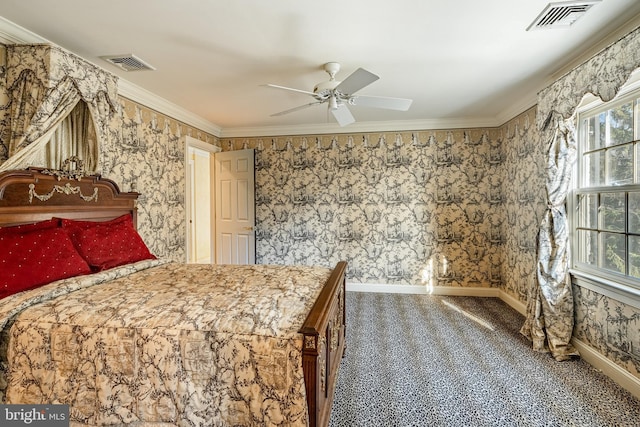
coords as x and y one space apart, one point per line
45 84
550 313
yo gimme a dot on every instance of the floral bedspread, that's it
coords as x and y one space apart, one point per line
161 343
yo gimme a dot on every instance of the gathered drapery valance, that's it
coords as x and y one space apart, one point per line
45 83
603 75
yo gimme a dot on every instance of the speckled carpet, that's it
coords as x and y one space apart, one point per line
420 360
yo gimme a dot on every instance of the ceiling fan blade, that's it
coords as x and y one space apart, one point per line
291 89
356 81
291 110
400 104
342 115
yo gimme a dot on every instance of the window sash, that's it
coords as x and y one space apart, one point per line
605 223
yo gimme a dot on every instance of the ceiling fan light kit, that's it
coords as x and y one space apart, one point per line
333 103
339 94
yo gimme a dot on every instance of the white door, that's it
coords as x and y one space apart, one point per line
235 207
200 201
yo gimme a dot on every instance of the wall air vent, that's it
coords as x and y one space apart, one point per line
128 62
561 14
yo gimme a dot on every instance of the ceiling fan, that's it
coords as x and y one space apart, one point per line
339 94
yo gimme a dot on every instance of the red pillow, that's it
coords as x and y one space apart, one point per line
35 258
74 227
25 228
108 245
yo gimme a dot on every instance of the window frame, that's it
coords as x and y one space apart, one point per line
619 286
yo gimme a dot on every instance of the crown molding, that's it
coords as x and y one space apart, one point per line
142 96
514 110
11 33
361 127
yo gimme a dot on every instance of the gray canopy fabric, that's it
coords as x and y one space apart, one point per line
45 83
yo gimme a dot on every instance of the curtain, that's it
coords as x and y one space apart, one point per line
74 137
549 322
550 314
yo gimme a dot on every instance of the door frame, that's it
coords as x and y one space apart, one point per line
190 142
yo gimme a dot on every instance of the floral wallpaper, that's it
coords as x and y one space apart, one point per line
470 200
452 207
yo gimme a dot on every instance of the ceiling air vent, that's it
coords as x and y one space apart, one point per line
128 62
561 14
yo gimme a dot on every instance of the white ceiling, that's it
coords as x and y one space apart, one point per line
463 62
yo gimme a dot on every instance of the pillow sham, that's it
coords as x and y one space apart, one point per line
25 228
108 245
75 227
31 259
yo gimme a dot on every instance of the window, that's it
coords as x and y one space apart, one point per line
606 196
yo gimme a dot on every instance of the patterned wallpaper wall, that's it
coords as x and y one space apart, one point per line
149 159
389 203
610 326
414 208
4 101
525 201
441 208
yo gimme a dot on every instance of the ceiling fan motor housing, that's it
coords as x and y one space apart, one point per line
325 86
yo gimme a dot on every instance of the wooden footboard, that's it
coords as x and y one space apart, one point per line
324 345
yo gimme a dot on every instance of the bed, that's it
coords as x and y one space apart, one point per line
128 339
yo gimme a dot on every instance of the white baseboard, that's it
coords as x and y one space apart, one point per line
513 302
622 377
439 290
415 289
388 289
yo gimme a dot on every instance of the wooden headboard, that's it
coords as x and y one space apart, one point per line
37 194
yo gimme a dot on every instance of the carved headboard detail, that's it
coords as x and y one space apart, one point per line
34 194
